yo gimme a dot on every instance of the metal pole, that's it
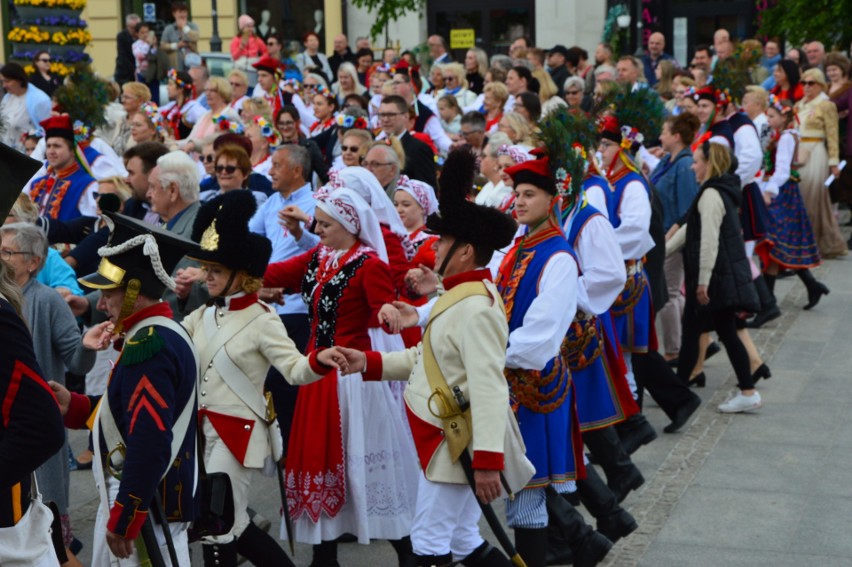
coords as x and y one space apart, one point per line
215 40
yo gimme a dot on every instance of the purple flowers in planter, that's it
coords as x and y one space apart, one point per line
69 57
53 21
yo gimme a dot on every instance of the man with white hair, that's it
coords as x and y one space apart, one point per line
815 52
383 162
173 194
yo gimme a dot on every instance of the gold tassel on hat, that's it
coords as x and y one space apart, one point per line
134 286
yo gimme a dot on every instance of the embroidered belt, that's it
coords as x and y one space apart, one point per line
582 344
525 386
633 289
812 139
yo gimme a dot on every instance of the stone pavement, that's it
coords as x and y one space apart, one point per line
770 487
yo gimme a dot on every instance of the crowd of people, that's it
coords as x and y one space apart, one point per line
404 293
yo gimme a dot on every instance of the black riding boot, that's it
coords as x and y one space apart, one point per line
768 304
613 521
261 549
634 432
325 555
486 555
404 552
569 537
220 554
815 289
622 475
531 544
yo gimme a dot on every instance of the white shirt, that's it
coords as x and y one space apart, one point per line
749 154
493 195
601 263
537 340
596 196
635 213
783 160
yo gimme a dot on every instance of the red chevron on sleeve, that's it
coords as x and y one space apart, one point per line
20 371
140 401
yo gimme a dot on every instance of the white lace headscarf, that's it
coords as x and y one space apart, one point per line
423 193
356 216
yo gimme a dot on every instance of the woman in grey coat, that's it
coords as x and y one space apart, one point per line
56 341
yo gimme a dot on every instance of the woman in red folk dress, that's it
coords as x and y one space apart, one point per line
351 467
414 201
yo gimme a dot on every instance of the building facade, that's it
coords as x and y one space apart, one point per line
490 24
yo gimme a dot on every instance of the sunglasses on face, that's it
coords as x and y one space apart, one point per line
809 83
208 158
349 148
44 60
229 169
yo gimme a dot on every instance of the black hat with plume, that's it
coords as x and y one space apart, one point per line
483 227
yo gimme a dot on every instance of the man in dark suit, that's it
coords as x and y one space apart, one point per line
125 63
342 54
419 157
438 50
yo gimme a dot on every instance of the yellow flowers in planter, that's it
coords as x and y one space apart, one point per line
73 37
70 4
33 34
59 69
29 35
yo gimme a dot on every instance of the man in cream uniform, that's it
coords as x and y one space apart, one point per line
445 527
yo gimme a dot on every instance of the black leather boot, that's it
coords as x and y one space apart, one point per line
634 432
220 554
404 552
434 560
325 555
614 522
486 555
531 544
815 289
261 549
768 304
570 539
622 475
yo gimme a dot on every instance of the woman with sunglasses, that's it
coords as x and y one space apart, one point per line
819 155
41 76
354 146
232 170
455 84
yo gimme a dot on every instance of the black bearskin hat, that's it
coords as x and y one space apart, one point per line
482 227
221 230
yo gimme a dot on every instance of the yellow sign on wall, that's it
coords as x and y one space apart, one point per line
462 39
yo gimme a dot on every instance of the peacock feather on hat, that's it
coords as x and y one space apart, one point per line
567 136
731 76
638 110
84 97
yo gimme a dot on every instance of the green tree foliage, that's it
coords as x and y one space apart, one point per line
386 11
829 21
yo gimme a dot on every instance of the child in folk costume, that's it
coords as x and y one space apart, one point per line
538 283
790 242
340 425
445 528
238 338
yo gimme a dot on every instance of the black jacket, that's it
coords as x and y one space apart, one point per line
125 63
731 283
419 160
335 60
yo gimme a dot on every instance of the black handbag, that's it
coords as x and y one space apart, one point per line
216 516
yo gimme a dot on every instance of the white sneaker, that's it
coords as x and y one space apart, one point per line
741 403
